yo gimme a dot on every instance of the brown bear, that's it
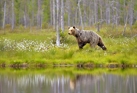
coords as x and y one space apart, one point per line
83 37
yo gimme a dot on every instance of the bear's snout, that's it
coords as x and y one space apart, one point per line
69 33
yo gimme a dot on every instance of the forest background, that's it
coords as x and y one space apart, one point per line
45 13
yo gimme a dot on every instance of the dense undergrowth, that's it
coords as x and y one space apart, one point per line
31 46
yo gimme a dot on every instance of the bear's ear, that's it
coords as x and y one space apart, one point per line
74 27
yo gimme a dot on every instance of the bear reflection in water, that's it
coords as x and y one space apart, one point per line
82 80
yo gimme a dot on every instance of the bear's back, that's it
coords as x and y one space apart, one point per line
89 33
88 36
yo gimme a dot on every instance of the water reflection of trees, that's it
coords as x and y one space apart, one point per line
40 83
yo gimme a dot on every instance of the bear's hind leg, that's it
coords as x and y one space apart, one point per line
100 44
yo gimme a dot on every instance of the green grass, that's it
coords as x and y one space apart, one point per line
33 46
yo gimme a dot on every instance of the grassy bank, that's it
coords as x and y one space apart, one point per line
67 71
32 47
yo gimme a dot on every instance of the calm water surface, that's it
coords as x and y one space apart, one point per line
66 82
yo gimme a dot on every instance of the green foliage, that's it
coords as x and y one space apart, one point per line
64 38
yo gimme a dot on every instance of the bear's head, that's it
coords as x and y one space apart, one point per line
72 30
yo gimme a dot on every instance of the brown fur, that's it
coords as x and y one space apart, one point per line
84 37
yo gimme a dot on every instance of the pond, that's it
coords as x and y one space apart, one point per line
68 80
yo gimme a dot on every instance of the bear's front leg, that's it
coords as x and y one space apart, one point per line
81 45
